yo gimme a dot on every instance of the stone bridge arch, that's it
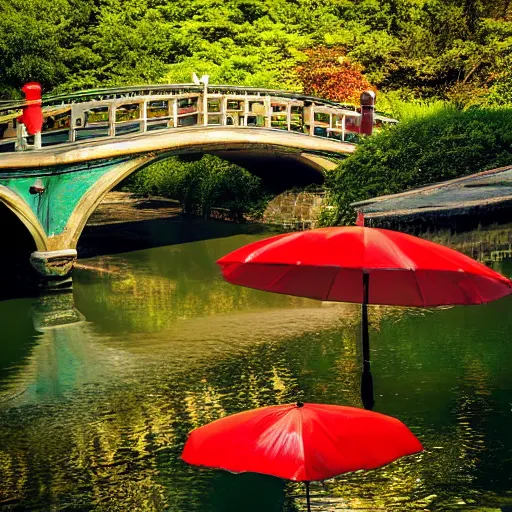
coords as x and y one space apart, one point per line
91 200
75 178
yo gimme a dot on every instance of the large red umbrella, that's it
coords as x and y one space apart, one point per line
301 442
363 265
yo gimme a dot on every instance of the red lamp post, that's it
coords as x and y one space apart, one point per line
367 100
32 116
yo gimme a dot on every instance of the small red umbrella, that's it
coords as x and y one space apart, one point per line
337 264
300 442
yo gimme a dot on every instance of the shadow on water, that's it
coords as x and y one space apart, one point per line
146 234
249 492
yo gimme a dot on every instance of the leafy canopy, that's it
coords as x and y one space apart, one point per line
457 49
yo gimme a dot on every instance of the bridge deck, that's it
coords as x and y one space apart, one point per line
178 140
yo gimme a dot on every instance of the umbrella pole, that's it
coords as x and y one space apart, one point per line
366 377
308 501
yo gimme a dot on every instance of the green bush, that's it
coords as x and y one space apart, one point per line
401 106
444 145
202 186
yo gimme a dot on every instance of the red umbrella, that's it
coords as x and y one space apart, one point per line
337 264
301 442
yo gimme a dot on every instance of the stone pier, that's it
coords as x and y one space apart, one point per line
54 267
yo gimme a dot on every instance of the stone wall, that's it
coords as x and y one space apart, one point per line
295 210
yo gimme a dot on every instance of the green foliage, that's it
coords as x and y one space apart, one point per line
423 48
30 43
446 144
397 105
202 186
499 93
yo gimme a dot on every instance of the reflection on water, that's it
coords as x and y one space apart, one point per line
99 390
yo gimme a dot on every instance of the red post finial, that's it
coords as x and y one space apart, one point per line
360 218
32 113
367 112
32 91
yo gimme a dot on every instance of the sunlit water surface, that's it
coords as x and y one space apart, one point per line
98 390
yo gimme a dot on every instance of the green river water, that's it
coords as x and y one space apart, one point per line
99 389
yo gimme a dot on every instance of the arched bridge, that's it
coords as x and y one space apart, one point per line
92 140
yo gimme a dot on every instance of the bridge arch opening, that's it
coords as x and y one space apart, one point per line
16 272
277 173
18 207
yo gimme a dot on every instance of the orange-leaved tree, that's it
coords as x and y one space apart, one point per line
329 74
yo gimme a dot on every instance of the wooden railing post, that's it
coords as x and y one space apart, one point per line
144 117
175 112
246 110
223 110
112 120
205 107
72 124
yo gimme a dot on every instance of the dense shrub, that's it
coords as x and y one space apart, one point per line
440 146
203 185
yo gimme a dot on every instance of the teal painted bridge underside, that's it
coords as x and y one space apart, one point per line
64 188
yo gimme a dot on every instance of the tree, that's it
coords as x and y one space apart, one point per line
329 74
30 46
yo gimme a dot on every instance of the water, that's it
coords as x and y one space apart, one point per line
99 389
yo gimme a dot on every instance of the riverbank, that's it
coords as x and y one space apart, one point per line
461 204
120 207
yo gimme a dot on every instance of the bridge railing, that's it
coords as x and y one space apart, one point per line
94 114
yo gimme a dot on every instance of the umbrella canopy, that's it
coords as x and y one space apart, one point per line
329 263
300 442
366 266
